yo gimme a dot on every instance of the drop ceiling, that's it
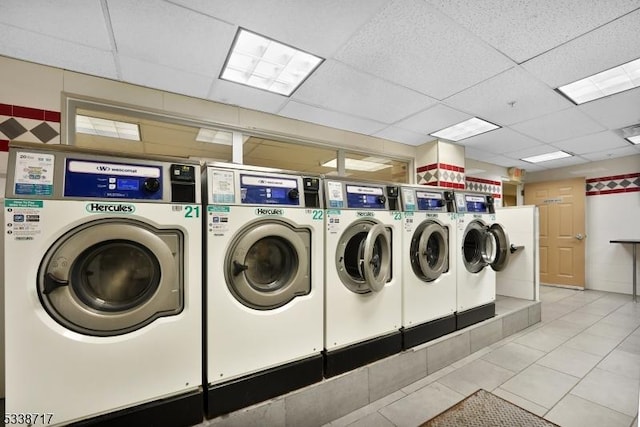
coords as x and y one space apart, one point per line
393 69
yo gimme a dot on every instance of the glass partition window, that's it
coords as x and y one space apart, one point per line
376 168
288 155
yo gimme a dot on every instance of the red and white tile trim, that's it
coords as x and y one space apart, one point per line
483 185
441 175
625 183
29 118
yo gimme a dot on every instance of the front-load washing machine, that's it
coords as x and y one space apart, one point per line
428 264
363 237
102 288
264 284
483 248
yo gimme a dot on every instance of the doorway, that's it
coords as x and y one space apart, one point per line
562 230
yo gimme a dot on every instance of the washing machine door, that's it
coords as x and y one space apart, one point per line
268 264
502 247
110 277
363 256
478 247
429 250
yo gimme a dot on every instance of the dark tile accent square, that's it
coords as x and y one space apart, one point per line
44 132
12 128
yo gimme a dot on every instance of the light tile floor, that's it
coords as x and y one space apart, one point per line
579 367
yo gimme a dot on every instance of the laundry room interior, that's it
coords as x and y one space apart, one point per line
191 243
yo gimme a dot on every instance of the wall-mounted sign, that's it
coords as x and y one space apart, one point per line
552 201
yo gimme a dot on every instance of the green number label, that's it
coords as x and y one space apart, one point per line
397 216
317 214
192 212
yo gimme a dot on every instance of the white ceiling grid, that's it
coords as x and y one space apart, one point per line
396 69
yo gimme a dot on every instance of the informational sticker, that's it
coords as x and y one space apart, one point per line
23 219
222 187
218 220
409 199
334 225
34 174
408 222
425 195
336 198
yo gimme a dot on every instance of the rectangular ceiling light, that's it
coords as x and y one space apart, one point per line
609 82
369 164
547 156
108 128
214 136
472 127
634 139
266 64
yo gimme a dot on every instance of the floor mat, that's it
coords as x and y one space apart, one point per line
483 408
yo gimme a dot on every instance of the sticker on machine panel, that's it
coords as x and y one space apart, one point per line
22 219
335 196
409 199
218 220
33 174
222 187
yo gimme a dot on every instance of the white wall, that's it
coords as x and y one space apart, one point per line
608 217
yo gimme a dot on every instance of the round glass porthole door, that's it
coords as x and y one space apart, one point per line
502 247
267 264
363 256
478 247
429 250
110 277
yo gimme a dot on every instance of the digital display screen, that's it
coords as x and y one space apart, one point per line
476 206
278 193
127 184
430 204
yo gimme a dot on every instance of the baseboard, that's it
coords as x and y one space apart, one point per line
428 331
475 315
351 357
246 391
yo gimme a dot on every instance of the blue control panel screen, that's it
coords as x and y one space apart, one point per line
361 197
111 180
430 204
476 204
262 190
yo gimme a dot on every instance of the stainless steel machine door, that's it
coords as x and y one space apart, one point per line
502 247
363 256
429 250
478 247
268 264
112 276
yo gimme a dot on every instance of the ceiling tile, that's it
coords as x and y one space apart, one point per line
433 119
531 151
34 47
499 141
592 143
612 154
606 47
245 96
567 161
172 80
412 44
492 98
394 133
317 27
86 25
338 87
569 123
162 33
299 111
525 29
615 111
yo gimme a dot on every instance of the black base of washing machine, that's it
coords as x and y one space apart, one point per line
177 411
255 388
354 356
475 315
429 331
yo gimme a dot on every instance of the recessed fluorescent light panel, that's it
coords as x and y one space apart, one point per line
466 129
634 139
368 164
547 156
108 128
263 63
609 82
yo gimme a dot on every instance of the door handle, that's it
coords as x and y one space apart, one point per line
580 236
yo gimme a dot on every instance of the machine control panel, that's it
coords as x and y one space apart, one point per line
474 203
89 178
365 197
269 190
417 199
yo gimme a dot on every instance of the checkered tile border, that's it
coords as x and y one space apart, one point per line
627 183
484 186
28 124
441 174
